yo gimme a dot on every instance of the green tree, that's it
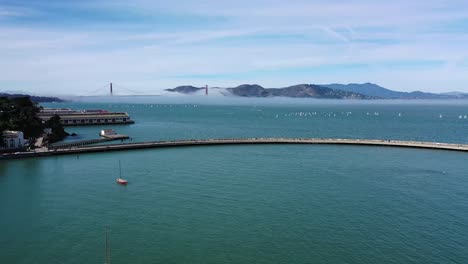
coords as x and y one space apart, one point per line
20 114
5 111
24 117
58 133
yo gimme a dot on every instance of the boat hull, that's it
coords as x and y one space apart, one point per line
122 181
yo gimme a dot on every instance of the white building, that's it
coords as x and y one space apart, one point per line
12 140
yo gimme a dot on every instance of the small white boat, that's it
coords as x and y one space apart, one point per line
107 132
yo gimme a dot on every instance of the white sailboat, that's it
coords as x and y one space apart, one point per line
119 179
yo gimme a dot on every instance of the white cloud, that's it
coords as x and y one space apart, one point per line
8 13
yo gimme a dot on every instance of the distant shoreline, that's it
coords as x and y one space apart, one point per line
35 99
364 91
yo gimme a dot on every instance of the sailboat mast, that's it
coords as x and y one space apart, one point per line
109 253
107 258
120 170
105 255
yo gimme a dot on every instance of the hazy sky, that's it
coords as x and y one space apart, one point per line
77 47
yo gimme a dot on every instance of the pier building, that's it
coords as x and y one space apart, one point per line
69 117
12 140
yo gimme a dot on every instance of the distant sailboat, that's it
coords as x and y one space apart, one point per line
120 180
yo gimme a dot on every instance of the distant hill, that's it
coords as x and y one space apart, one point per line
456 94
316 91
186 89
249 90
299 91
335 91
371 89
35 99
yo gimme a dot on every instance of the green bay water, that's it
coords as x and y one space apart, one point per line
247 204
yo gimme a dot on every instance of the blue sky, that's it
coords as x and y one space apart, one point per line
75 47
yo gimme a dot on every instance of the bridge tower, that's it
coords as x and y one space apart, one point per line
206 89
111 89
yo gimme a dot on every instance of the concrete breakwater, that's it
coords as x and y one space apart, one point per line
208 142
80 143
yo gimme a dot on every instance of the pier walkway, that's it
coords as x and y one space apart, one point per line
80 143
245 141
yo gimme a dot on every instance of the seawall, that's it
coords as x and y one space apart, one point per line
245 141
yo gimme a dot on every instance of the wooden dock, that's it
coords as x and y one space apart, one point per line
245 141
115 136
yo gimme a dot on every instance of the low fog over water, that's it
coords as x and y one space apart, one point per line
234 100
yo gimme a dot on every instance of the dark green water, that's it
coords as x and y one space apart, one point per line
248 204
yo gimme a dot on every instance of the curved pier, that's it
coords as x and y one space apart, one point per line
245 141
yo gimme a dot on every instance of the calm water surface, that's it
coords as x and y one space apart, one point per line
247 204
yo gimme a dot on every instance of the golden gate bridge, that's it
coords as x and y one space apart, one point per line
113 89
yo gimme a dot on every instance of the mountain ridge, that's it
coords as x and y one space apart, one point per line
372 89
364 91
297 91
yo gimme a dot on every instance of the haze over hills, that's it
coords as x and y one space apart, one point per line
298 91
364 91
185 89
335 91
371 89
35 99
456 94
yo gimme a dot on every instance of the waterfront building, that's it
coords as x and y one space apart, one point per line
69 117
12 140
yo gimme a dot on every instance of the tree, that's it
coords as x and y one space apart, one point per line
4 116
58 133
20 114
